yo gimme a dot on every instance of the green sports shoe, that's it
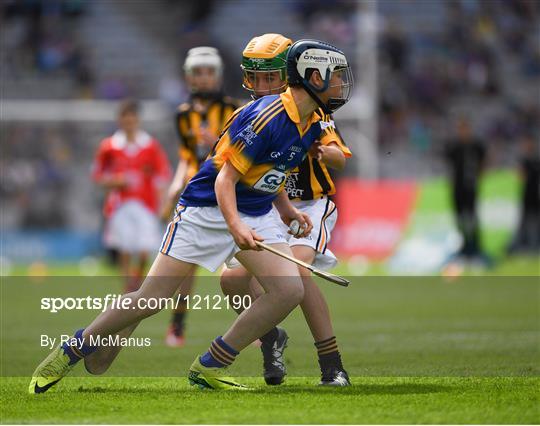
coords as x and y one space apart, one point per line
212 378
50 371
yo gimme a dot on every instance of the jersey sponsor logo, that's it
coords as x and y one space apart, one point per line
275 154
270 181
325 124
290 186
247 135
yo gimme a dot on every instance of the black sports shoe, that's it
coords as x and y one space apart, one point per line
274 364
334 377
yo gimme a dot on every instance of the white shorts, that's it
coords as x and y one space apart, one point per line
200 235
133 228
323 214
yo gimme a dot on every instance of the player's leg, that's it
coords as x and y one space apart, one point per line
238 281
142 236
99 361
162 281
313 250
235 281
175 333
283 292
317 315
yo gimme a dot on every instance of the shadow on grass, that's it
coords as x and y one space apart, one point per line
359 389
291 389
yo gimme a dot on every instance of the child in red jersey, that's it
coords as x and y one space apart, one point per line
133 169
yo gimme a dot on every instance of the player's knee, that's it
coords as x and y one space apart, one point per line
226 282
234 282
293 293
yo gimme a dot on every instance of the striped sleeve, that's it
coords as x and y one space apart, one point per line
247 141
330 133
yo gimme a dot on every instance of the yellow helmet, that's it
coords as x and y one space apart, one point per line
262 57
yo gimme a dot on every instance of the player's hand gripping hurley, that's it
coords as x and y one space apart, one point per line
323 274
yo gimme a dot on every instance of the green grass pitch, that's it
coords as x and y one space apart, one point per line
371 400
419 350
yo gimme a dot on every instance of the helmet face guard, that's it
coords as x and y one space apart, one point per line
265 76
204 57
341 82
332 66
264 64
262 83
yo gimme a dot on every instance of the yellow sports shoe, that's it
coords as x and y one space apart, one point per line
212 378
50 371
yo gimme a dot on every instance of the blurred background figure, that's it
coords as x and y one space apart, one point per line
198 122
527 236
133 170
466 158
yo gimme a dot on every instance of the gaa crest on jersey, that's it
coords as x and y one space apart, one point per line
271 181
325 124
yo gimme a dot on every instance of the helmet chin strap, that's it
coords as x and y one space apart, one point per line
309 89
312 92
313 96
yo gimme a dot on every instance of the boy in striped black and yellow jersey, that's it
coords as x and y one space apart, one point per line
198 122
201 120
308 187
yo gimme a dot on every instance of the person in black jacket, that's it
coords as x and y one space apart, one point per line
527 237
466 155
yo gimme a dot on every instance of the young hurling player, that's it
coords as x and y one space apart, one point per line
199 122
308 187
224 210
133 169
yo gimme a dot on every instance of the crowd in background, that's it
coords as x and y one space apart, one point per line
35 175
480 63
41 36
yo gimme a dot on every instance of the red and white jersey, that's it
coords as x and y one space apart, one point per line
142 163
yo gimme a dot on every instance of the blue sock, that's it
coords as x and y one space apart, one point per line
220 354
78 351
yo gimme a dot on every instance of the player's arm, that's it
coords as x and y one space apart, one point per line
330 154
108 182
179 179
174 190
162 177
331 149
226 181
101 175
288 213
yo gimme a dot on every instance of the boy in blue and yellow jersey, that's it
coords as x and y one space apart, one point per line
308 187
263 143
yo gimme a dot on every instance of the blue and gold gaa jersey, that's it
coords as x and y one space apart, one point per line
264 142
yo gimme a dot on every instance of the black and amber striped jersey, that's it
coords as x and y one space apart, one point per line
190 120
311 179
